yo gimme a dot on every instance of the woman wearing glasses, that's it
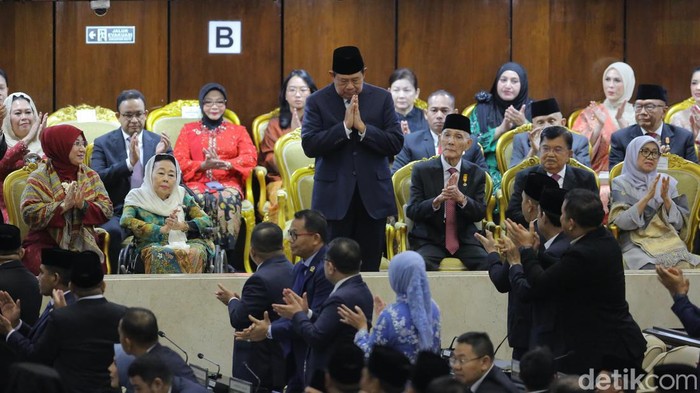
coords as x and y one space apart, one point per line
648 210
216 158
297 86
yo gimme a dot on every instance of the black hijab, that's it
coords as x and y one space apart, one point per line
491 107
209 123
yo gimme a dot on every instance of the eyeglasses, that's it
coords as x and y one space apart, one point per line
295 90
80 143
557 150
212 103
461 361
653 154
134 115
648 107
294 235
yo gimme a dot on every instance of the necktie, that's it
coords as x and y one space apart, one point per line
451 241
137 173
298 287
653 135
556 177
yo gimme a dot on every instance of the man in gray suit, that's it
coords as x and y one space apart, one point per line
546 113
120 154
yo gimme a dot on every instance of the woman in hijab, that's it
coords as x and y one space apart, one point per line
296 88
20 129
505 108
412 323
64 199
161 214
599 121
216 158
648 210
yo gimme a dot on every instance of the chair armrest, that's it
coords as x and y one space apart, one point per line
105 246
260 174
490 207
249 189
401 235
282 201
614 230
502 205
248 213
390 236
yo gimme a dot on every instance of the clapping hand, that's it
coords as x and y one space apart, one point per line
379 305
356 318
515 117
172 222
357 119
257 331
672 278
36 129
9 309
134 151
296 122
163 145
520 236
619 116
224 295
294 304
487 241
59 298
511 251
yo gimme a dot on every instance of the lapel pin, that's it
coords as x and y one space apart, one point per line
464 180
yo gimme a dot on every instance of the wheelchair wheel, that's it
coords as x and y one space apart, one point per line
220 261
127 259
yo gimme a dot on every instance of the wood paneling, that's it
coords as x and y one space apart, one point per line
95 74
313 28
663 43
566 45
26 49
453 45
250 78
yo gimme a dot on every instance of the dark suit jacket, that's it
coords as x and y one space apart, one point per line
33 332
496 382
419 145
573 178
78 342
109 161
682 142
21 284
589 285
181 385
689 315
260 291
174 362
324 331
521 146
427 182
343 164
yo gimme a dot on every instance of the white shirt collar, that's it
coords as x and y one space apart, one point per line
93 297
446 165
436 140
550 241
339 283
657 131
561 174
577 239
475 385
308 260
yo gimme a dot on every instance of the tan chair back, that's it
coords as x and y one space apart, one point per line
168 119
102 120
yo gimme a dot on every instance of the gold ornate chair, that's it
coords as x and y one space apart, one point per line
298 196
289 156
675 108
508 181
468 110
93 121
88 153
259 128
169 119
402 193
572 118
504 146
12 188
420 104
687 173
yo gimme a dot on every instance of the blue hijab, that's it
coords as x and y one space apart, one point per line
410 283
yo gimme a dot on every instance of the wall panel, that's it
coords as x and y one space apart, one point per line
251 78
95 74
313 28
566 45
26 49
453 45
663 43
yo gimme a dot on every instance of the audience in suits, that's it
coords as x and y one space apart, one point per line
650 108
598 122
538 369
79 338
34 377
555 151
296 88
16 282
409 325
150 373
308 234
323 331
260 362
427 367
672 278
64 199
167 223
351 129
387 371
507 106
649 211
119 158
447 198
688 118
426 143
343 371
403 85
472 365
546 113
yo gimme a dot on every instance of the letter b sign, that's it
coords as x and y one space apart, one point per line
225 37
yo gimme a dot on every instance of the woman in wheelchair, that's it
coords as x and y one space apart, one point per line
216 159
64 199
648 210
166 221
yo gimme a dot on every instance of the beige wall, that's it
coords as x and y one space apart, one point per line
189 313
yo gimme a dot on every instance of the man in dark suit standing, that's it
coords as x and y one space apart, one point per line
649 111
15 279
426 143
323 331
447 197
138 334
119 158
351 129
79 339
472 364
546 113
555 151
260 362
150 374
308 234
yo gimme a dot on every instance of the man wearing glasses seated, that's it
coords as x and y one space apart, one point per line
649 111
119 158
472 364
